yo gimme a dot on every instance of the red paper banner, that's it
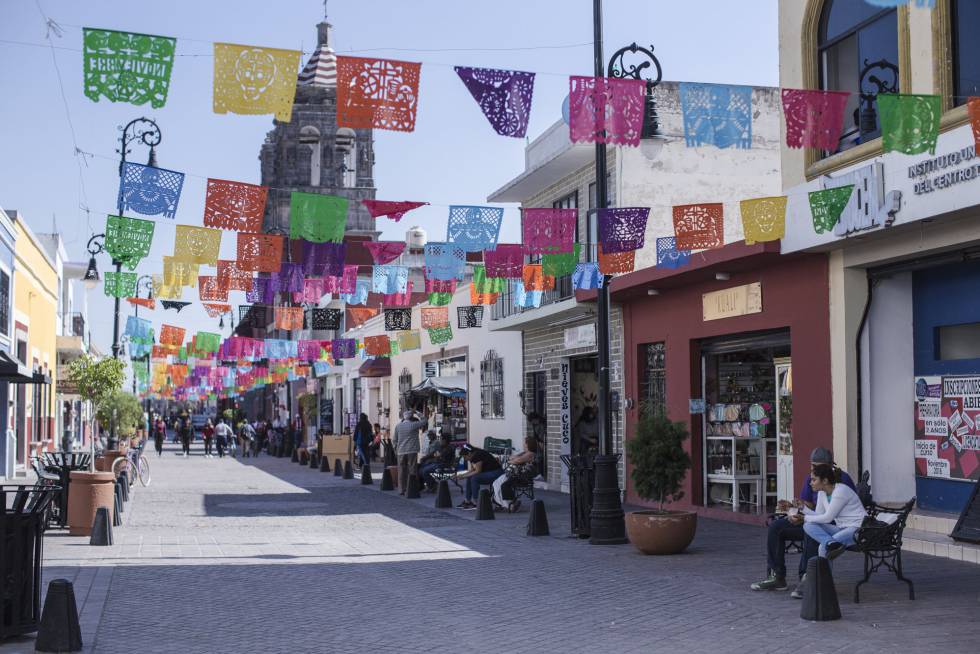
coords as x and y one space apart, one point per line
535 280
234 205
699 226
259 252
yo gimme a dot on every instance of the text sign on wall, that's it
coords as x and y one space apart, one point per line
580 336
565 413
731 302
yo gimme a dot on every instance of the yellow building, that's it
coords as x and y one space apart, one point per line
34 342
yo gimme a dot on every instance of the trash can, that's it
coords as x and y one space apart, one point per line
581 483
21 540
62 464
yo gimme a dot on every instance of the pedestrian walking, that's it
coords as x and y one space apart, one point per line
246 435
159 435
406 442
224 436
363 437
208 433
186 431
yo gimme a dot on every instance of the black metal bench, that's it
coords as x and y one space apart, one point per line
448 472
881 543
521 479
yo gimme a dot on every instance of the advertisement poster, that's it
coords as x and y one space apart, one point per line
947 427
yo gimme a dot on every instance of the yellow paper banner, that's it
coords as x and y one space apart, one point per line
764 219
197 245
409 340
179 273
163 291
254 80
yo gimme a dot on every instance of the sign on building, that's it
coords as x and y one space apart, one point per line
731 302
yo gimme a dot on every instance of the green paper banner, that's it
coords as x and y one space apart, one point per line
909 123
440 299
827 205
207 342
127 67
484 284
563 263
128 240
440 335
317 218
119 284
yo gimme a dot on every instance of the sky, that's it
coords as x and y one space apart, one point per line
452 157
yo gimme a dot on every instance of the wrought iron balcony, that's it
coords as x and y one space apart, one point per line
504 306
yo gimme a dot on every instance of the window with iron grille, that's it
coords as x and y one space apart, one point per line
492 387
653 376
404 381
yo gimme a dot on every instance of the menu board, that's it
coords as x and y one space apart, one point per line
947 427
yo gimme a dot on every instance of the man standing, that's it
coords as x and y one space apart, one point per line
224 434
406 442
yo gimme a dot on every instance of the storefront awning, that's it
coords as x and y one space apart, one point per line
454 386
14 371
379 367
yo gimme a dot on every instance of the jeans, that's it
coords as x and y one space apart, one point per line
207 445
825 534
473 483
408 464
185 442
780 531
221 448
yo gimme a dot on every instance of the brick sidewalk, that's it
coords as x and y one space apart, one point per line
267 556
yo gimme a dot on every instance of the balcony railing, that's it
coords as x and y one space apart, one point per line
504 306
73 324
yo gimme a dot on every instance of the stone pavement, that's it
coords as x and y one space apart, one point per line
268 556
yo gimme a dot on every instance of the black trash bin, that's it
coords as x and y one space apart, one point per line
62 464
21 540
581 483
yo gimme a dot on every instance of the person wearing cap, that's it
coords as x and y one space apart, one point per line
482 468
789 527
406 443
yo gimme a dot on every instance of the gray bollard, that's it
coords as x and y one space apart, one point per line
313 463
295 458
118 491
386 483
537 522
413 492
124 477
443 498
348 470
324 464
366 479
101 528
59 630
338 468
117 513
819 595
484 506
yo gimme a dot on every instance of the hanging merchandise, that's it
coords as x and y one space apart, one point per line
668 256
827 205
233 277
176 306
398 319
255 80
324 259
127 67
138 327
197 245
119 284
356 316
434 316
505 261
474 228
606 110
814 119
440 299
440 335
212 289
444 261
259 252
973 107
390 209
699 226
148 190
377 93
615 262
343 348
289 318
525 299
504 97
399 299
477 297
377 346
535 280
216 310
324 319
235 206
559 265
179 273
484 284
469 317
128 240
383 252
409 340
717 114
390 279
909 123
622 230
170 335
587 276
317 218
764 219
549 231
147 302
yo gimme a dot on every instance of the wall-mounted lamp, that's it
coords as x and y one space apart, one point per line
722 276
652 291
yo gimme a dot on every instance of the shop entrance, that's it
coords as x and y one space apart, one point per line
747 427
584 395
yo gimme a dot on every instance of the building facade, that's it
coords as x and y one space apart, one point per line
8 354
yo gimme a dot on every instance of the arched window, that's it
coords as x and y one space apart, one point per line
310 136
492 387
857 45
965 15
345 143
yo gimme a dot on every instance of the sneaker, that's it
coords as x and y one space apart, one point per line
835 549
798 591
470 507
772 582
514 507
465 504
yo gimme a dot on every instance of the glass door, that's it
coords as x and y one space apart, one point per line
784 428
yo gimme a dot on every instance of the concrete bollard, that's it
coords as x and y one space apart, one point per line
537 522
413 491
118 491
117 511
819 595
124 478
366 479
386 483
348 470
443 498
324 464
101 528
313 463
338 468
295 458
59 630
484 506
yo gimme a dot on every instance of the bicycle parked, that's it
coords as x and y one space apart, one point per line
135 465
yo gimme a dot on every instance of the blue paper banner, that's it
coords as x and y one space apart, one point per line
150 191
587 276
390 279
360 294
526 299
474 228
444 261
668 256
717 114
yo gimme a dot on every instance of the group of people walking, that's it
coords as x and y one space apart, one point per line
218 436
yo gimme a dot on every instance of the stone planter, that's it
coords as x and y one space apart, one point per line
89 491
653 532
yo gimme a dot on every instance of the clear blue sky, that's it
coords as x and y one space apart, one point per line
452 157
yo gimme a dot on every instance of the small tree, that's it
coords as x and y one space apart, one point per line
125 408
97 381
659 460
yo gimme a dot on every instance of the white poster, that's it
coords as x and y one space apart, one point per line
936 427
938 468
565 414
925 449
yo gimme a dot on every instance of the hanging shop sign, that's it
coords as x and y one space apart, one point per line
565 413
731 302
580 336
947 433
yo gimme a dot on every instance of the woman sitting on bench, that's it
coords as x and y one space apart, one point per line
838 515
520 464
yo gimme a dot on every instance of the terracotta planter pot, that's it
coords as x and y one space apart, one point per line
653 532
110 457
89 491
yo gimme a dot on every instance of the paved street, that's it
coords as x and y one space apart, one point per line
269 556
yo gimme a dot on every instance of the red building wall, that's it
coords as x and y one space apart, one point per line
795 295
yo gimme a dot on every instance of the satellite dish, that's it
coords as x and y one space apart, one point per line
564 110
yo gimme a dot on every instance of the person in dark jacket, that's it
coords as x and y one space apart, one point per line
159 435
363 437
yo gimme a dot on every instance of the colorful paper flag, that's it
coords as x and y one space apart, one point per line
622 229
383 252
525 299
198 245
317 218
668 256
259 252
409 340
128 240
474 228
377 346
559 265
119 284
390 279
699 226
171 335
434 316
505 261
233 277
826 207
587 276
444 261
235 206
504 97
215 310
176 306
211 289
255 80
717 114
377 93
484 284
440 299
391 209
146 302
148 190
549 231
289 318
606 110
440 335
358 315
127 67
326 319
469 317
398 319
616 262
534 279
909 123
763 219
814 119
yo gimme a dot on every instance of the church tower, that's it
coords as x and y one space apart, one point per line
311 154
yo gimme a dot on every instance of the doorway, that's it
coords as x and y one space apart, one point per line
535 407
584 394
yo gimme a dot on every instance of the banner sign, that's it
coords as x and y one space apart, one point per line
947 433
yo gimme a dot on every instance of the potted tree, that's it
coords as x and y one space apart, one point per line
660 464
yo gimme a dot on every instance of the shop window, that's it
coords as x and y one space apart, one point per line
966 50
653 389
858 52
404 381
492 387
4 303
956 342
